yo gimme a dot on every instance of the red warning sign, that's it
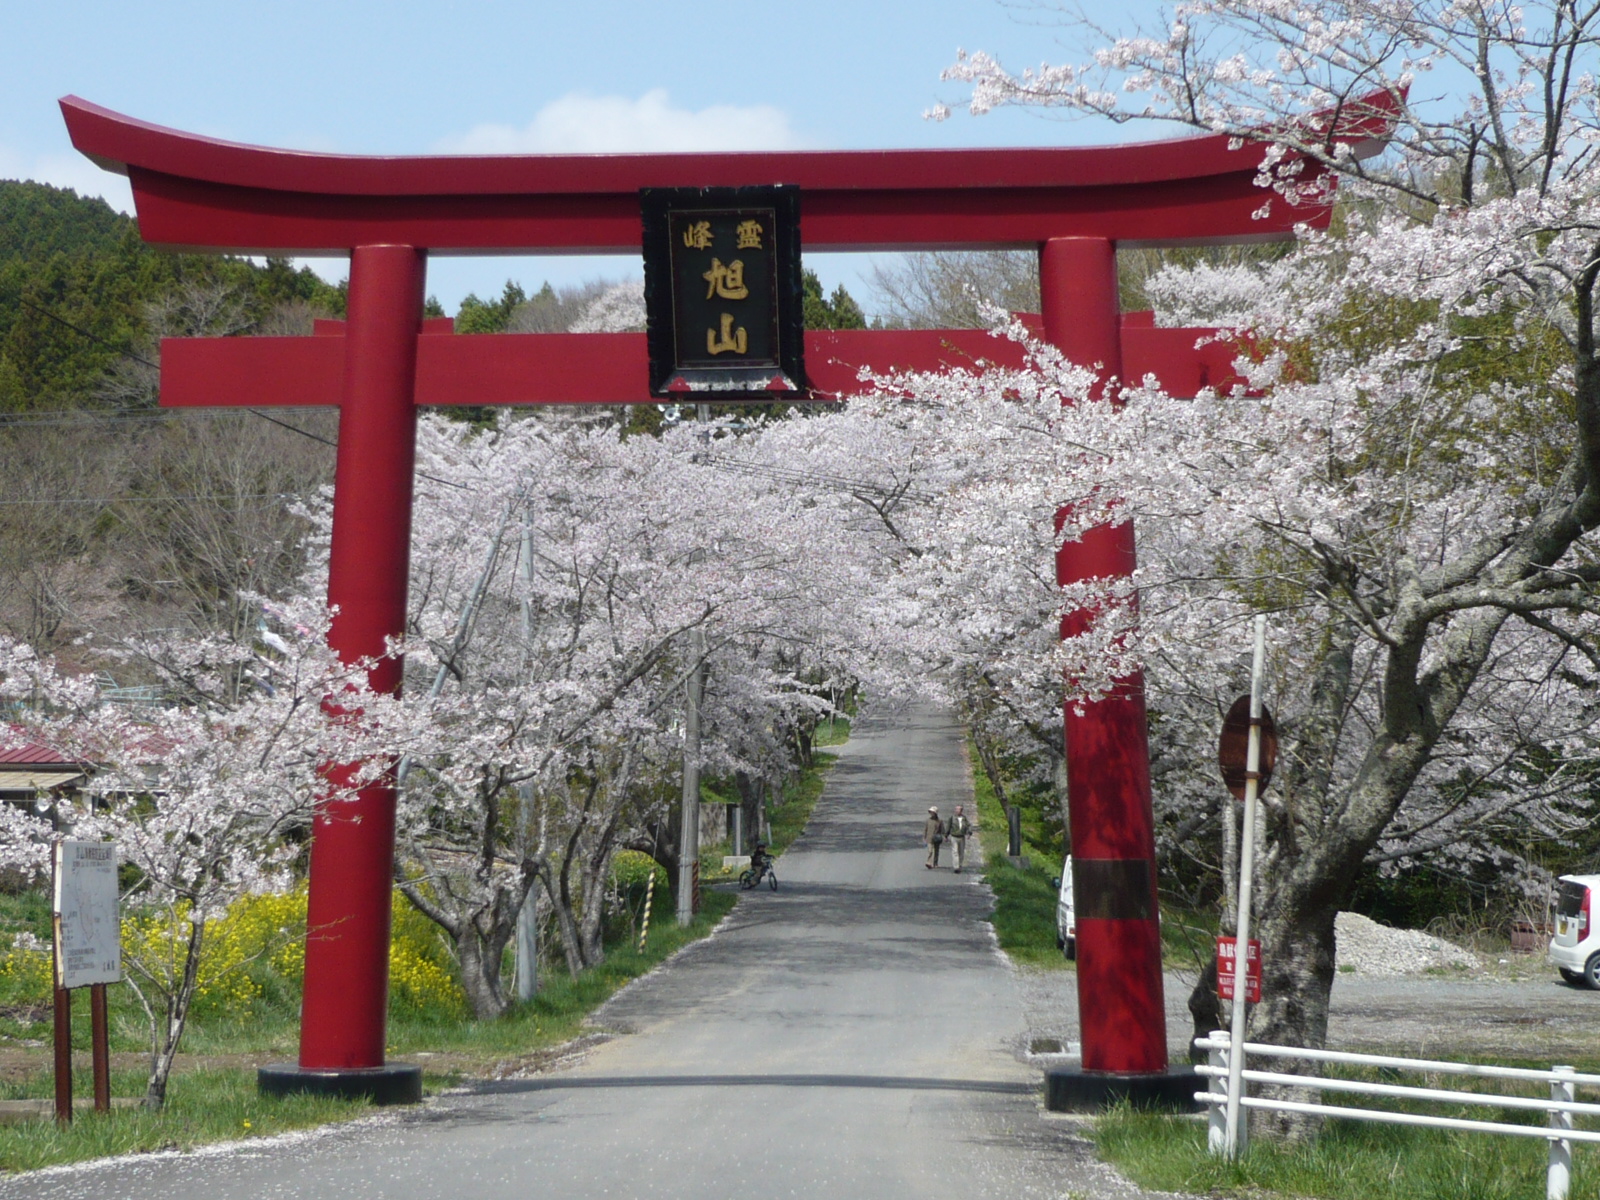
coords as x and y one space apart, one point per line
1252 970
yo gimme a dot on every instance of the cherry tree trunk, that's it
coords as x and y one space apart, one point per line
165 1040
479 960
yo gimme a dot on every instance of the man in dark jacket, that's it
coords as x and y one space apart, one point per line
933 835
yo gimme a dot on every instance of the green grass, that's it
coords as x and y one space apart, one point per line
1349 1160
210 1106
1025 897
789 816
791 811
1188 938
834 732
1024 915
218 1104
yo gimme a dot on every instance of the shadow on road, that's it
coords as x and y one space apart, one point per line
893 1083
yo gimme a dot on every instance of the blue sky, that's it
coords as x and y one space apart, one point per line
405 78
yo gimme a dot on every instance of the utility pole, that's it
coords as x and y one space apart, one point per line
689 826
526 980
689 839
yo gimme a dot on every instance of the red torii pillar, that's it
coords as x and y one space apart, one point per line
388 214
1109 809
344 1012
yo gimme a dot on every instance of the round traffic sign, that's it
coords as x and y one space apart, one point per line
1235 745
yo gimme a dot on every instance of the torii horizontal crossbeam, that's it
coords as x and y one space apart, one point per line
200 193
612 368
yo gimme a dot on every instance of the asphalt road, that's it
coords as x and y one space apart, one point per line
854 1034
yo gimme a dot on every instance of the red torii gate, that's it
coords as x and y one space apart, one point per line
1075 205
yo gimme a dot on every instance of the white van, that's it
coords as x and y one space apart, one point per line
1575 949
1066 917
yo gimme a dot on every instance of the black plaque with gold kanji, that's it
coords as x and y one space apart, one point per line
722 291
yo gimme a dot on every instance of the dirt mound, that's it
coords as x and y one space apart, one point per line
1364 947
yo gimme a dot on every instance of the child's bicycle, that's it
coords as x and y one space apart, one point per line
760 868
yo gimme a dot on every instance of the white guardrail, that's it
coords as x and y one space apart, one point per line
1561 1106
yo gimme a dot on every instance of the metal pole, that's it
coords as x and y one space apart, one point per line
689 847
1558 1179
526 980
1247 854
1230 865
1216 1115
689 838
63 1055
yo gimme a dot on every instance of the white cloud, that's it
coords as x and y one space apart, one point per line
70 170
583 124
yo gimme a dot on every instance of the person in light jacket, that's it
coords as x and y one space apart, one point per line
956 830
933 836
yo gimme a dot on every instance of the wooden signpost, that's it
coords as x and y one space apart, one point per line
87 945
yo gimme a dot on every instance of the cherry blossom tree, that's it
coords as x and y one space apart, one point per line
565 587
202 793
1411 483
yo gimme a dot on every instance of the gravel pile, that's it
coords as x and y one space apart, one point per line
1368 948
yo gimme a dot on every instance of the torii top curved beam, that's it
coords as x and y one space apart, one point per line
200 193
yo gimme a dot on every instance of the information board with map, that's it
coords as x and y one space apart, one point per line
87 923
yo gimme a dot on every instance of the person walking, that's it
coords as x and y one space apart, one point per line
933 835
956 830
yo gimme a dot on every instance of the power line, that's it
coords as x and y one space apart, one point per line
89 416
792 475
152 497
777 474
81 332
316 437
824 479
137 357
68 416
148 415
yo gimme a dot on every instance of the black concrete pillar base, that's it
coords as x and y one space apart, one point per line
393 1083
1072 1089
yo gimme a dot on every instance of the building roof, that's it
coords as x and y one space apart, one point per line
34 754
33 780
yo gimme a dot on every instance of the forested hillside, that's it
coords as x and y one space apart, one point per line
37 220
79 290
115 515
119 516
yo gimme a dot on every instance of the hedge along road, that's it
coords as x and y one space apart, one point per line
852 1034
